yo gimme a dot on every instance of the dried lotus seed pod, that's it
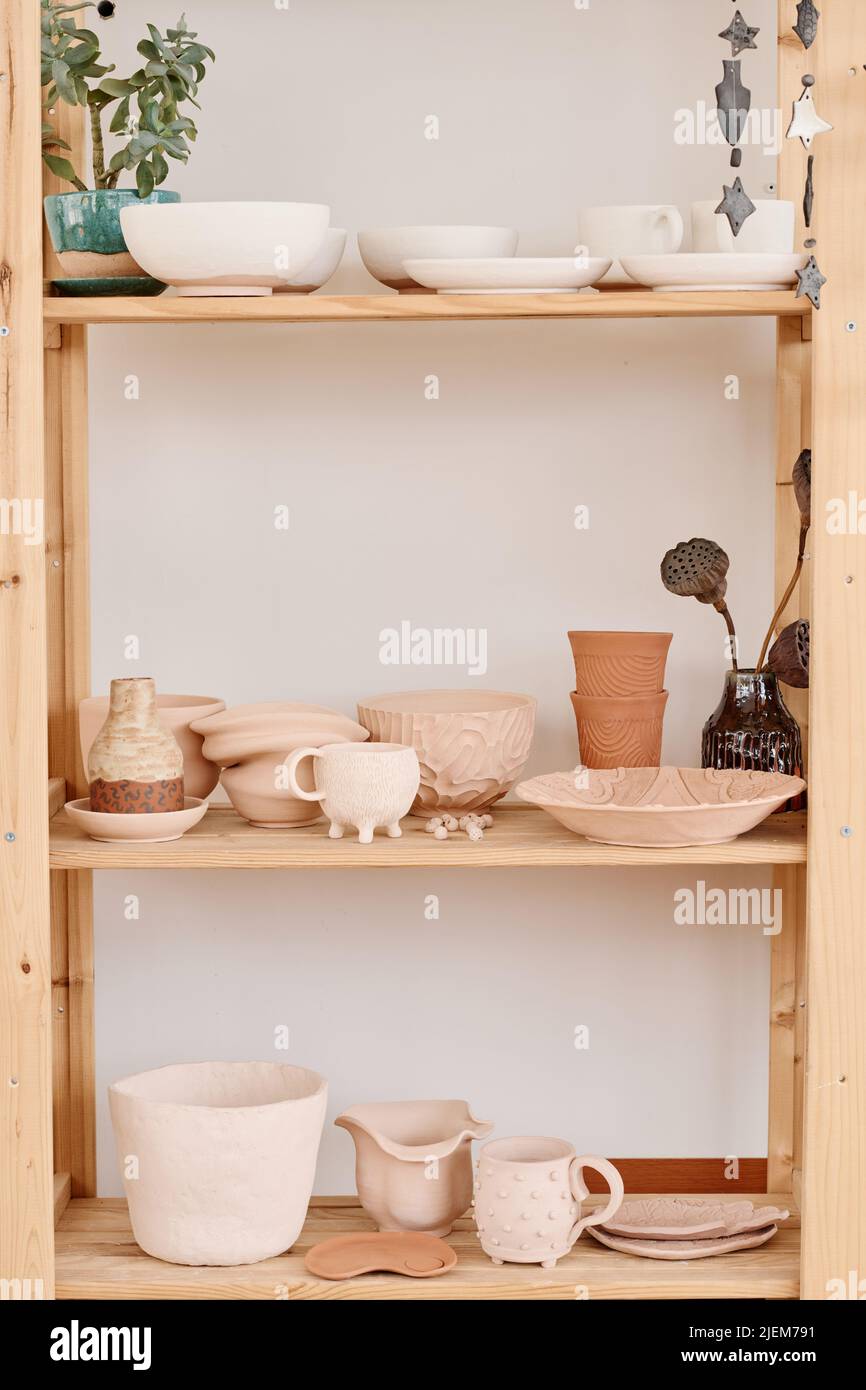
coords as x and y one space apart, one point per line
802 478
789 655
696 569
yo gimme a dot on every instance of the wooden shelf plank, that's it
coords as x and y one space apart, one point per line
98 1258
362 308
522 837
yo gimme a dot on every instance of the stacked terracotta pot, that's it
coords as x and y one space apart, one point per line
619 697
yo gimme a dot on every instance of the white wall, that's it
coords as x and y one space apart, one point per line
456 512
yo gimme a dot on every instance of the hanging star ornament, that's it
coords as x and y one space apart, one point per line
810 282
739 34
736 205
806 123
807 22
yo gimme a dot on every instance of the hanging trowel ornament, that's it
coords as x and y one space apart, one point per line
739 34
810 282
806 123
736 205
732 101
809 194
807 22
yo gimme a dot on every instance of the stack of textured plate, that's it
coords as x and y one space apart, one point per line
677 1228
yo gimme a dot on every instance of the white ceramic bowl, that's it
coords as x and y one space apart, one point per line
384 249
509 274
225 248
321 267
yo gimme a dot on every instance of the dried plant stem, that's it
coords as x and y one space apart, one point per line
722 607
783 602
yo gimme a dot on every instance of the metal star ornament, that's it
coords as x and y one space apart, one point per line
810 282
806 122
736 205
807 22
739 34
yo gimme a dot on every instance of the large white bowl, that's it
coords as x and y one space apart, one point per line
384 249
225 248
321 267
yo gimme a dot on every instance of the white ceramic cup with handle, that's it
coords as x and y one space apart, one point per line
770 229
528 1196
360 784
632 230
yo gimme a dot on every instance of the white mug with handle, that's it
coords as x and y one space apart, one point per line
360 784
528 1198
633 230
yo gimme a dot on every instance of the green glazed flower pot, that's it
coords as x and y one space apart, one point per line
86 234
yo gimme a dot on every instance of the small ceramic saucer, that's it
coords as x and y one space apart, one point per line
509 274
683 1249
678 1218
104 286
398 1252
147 828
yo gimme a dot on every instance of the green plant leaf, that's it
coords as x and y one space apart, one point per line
157 38
64 170
120 119
159 166
116 87
144 180
63 81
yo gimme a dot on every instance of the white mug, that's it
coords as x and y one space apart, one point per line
528 1196
641 229
360 784
769 229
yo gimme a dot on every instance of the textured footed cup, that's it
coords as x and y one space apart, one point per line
413 1161
620 732
617 664
218 1158
135 764
364 785
472 745
528 1195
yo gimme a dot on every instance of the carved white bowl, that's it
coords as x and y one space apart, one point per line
472 745
659 807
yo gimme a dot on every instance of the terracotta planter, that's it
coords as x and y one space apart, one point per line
472 745
218 1158
528 1199
364 785
618 664
176 713
251 744
620 733
135 765
413 1165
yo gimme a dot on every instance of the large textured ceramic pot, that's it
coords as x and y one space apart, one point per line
623 732
251 744
619 663
218 1158
135 764
88 239
472 745
752 729
176 713
413 1161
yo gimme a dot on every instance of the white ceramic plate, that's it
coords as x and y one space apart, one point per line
684 1249
722 270
509 274
677 1218
147 828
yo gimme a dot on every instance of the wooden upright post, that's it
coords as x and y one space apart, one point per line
26 1179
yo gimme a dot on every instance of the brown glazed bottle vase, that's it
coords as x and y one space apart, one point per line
752 728
135 764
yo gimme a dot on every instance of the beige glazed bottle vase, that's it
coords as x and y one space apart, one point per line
528 1196
135 764
413 1161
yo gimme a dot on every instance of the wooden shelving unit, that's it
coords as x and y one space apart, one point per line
818 962
522 838
97 1257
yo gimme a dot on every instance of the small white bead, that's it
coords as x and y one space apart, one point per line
440 832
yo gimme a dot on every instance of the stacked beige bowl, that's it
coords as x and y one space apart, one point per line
619 697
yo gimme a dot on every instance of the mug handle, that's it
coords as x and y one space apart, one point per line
671 217
291 765
580 1191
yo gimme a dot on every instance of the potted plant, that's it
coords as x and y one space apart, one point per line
752 727
144 110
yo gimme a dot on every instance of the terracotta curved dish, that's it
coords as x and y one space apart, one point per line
659 807
672 1218
149 829
616 664
399 1252
684 1249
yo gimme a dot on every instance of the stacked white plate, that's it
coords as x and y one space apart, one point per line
717 270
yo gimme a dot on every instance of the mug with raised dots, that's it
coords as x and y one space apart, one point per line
528 1195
